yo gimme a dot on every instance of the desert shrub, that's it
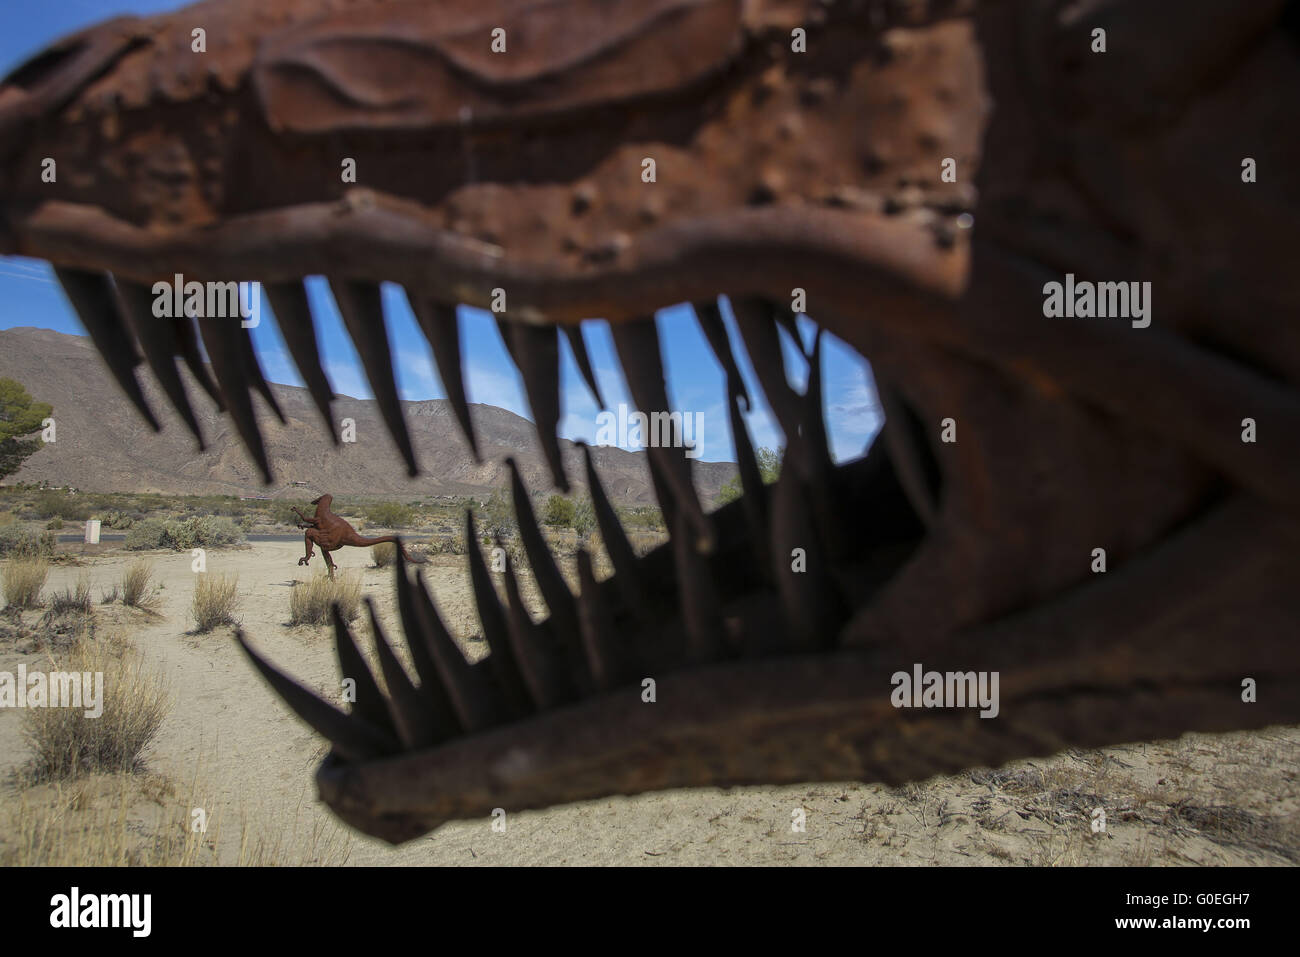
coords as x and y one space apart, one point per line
75 599
50 504
18 542
203 531
23 580
452 545
68 743
150 533
55 523
584 518
384 554
558 511
215 600
118 520
390 515
246 522
496 518
309 602
135 586
197 531
108 597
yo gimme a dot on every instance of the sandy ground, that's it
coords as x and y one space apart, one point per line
1227 799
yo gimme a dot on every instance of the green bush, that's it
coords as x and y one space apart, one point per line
559 511
18 542
118 520
198 531
203 531
584 518
495 518
150 533
390 515
50 504
55 523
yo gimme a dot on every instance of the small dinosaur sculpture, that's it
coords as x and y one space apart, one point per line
920 173
330 533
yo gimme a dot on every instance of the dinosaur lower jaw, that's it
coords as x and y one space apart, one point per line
766 723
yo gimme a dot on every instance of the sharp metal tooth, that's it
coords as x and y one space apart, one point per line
413 721
813 452
536 352
815 446
221 338
353 738
701 612
811 606
579 347
503 330
555 591
637 343
505 670
92 296
607 658
187 340
901 444
754 319
157 337
369 704
787 321
663 493
442 328
468 687
754 497
293 316
254 372
619 549
362 308
417 629
540 659
709 316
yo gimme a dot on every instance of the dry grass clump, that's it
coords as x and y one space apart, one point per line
135 586
215 600
23 580
132 703
384 554
309 602
134 820
73 600
102 820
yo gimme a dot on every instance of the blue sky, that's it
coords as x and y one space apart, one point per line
29 296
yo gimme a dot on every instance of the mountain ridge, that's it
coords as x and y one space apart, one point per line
102 445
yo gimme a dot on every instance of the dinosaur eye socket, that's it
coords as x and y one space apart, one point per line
40 68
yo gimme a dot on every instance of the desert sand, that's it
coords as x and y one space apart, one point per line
1225 799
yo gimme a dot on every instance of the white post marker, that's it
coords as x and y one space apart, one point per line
92 531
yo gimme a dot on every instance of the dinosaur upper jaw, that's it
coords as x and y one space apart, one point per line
763 252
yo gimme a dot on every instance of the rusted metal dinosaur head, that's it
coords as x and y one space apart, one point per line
605 159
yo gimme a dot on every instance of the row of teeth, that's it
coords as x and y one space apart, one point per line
674 607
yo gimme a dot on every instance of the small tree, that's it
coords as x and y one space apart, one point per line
19 418
769 468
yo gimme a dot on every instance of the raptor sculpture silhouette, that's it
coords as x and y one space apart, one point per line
1102 512
330 533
